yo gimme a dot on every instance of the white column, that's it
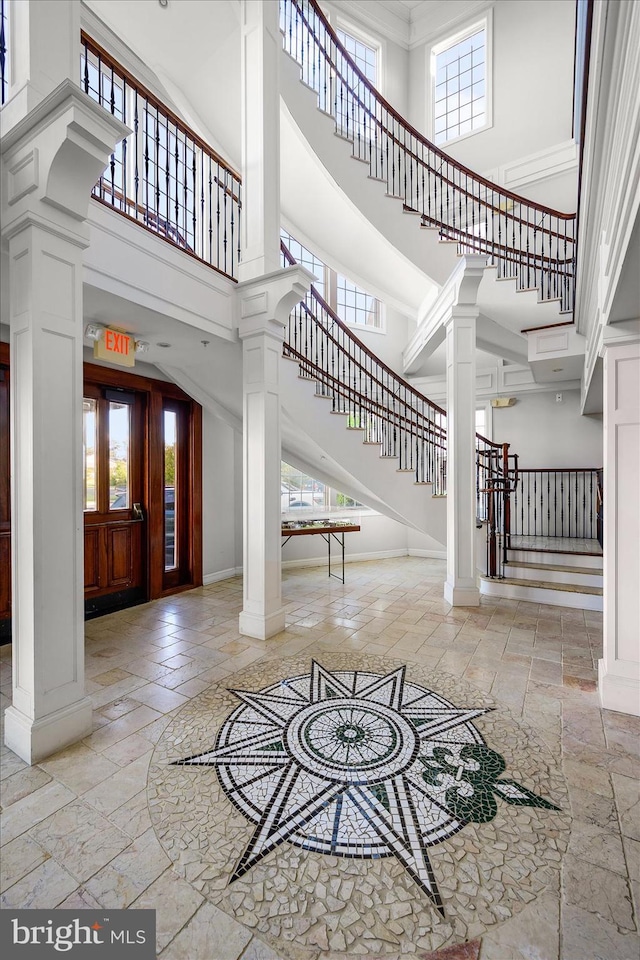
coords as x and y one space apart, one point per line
261 42
619 669
461 587
44 50
264 309
51 159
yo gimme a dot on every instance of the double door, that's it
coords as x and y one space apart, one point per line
142 490
141 487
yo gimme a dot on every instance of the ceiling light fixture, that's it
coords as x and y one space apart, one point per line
142 346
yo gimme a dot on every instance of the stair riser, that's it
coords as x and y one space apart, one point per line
553 576
554 598
557 559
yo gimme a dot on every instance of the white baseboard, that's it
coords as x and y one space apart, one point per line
321 561
221 575
429 554
352 558
618 693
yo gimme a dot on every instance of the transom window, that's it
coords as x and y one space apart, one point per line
460 91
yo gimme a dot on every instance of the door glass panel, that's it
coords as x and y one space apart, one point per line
89 433
119 433
170 451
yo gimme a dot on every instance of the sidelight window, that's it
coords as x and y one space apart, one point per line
170 453
119 472
89 461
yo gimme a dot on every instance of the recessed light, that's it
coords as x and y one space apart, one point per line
163 344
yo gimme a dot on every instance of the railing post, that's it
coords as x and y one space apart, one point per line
506 519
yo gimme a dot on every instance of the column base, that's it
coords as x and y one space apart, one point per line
260 626
461 596
618 693
34 740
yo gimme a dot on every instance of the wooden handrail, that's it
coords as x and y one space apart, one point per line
527 241
151 98
408 126
164 173
356 340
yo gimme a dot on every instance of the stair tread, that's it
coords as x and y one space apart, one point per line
592 571
545 585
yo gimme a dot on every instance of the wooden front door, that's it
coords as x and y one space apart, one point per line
115 538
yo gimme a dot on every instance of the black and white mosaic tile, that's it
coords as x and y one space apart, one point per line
357 805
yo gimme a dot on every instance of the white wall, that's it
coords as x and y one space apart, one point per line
549 434
377 537
387 345
532 82
221 499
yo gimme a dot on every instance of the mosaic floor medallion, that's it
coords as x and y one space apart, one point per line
398 789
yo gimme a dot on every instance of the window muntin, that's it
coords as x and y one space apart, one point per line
364 56
307 259
353 305
302 495
119 471
460 88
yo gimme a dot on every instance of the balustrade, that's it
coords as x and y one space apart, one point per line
164 176
556 503
528 242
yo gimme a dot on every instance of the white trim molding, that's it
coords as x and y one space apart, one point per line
536 167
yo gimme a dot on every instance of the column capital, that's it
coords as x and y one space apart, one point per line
54 156
264 303
623 334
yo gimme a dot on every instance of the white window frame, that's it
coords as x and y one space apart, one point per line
330 287
486 23
347 26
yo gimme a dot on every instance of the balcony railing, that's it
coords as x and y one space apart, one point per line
163 175
526 241
4 50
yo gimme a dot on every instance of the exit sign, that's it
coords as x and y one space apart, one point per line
116 347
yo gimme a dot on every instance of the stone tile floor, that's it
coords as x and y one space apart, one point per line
77 829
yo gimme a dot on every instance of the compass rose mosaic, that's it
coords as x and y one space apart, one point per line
356 765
